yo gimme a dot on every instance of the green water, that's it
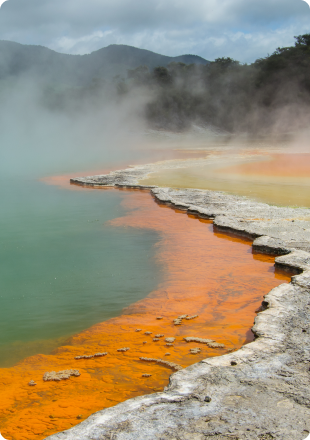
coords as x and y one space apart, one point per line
62 268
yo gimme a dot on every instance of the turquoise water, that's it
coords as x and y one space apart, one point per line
63 268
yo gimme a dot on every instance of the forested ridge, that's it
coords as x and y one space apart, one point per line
271 95
43 64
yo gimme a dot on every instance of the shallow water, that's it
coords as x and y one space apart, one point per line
281 179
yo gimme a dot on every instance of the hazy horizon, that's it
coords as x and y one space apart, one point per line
100 48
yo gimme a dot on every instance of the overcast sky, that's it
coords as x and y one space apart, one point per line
242 29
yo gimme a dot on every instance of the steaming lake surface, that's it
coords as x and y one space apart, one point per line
63 268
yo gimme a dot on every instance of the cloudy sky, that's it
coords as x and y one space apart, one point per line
242 29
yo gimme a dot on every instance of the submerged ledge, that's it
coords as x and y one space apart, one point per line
260 391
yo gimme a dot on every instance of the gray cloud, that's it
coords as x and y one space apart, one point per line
243 29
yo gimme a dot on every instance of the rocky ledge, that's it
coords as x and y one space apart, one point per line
258 392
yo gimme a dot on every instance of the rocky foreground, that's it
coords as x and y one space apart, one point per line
261 391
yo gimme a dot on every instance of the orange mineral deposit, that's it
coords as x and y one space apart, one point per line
278 165
205 273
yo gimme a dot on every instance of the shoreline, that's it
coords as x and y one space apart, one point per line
223 294
259 391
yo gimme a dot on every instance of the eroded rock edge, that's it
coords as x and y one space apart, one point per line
260 391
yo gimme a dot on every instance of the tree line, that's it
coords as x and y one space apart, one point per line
271 94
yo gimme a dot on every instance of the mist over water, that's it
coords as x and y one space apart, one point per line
37 140
62 267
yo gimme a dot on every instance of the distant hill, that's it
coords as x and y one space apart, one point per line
38 61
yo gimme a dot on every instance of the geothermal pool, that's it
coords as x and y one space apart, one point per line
82 269
198 271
